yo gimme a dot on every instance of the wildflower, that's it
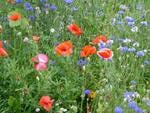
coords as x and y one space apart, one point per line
120 12
100 39
123 49
134 29
68 1
140 54
87 92
18 1
135 107
63 110
36 38
105 53
3 52
64 48
43 0
40 61
46 102
53 7
26 39
28 6
92 94
131 49
129 19
87 51
123 7
136 44
52 30
37 110
82 62
75 29
31 17
144 23
146 62
14 16
118 109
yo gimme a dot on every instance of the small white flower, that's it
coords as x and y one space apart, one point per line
26 39
52 30
63 110
134 29
136 44
37 110
37 77
123 7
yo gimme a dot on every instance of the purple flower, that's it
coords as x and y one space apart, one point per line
118 109
47 5
140 54
132 105
144 23
18 1
43 0
87 92
146 62
53 7
31 17
131 49
68 1
28 6
82 62
129 19
123 49
121 12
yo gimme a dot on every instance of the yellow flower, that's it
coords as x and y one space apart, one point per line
92 94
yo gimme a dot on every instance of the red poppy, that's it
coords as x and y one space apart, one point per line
100 39
46 102
105 53
15 16
64 48
87 51
3 52
75 29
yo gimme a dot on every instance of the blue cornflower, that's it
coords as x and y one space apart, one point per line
53 7
87 92
43 0
31 17
123 49
132 105
140 54
128 96
144 23
138 110
121 12
146 62
131 23
68 1
74 8
129 19
131 49
101 45
47 5
28 6
18 1
118 109
82 62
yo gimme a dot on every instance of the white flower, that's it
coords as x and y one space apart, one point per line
134 29
136 44
26 39
52 30
37 110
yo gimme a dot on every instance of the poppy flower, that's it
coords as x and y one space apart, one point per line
100 39
40 66
15 16
46 102
64 48
3 52
87 51
36 38
40 61
105 53
75 29
40 58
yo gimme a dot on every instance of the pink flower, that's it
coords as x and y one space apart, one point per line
40 61
40 66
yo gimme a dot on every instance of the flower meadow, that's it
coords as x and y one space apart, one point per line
74 56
